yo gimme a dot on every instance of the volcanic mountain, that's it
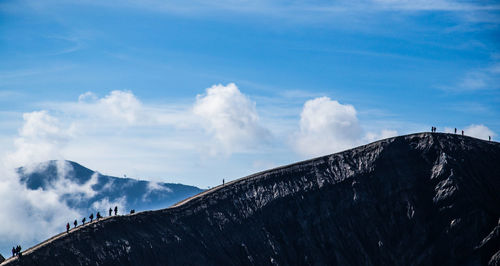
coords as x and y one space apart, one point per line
420 199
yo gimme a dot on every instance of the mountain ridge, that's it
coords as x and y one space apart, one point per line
290 203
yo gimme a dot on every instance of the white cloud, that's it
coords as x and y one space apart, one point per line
230 117
87 96
486 78
155 187
40 138
326 126
384 134
122 104
479 131
105 204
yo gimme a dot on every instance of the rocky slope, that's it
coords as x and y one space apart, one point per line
422 199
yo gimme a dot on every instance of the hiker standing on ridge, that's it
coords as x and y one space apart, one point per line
489 138
13 251
91 217
116 210
455 130
67 228
83 220
462 132
98 215
75 223
223 181
110 211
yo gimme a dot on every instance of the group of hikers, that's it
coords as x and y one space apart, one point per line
16 251
91 217
433 130
98 216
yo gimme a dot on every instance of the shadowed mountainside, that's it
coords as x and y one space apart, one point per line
421 199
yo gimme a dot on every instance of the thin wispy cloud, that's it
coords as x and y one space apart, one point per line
303 12
486 78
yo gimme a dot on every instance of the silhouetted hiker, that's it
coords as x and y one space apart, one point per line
455 130
67 228
462 132
116 210
223 181
83 220
13 251
132 211
110 211
75 223
98 215
489 138
91 217
18 251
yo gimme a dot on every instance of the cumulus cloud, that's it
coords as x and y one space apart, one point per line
41 137
479 131
122 104
327 126
105 203
230 116
116 107
384 134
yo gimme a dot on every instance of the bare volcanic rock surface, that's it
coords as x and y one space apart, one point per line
421 199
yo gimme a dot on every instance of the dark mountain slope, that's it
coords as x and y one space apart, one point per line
422 199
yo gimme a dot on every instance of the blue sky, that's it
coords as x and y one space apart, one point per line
310 78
